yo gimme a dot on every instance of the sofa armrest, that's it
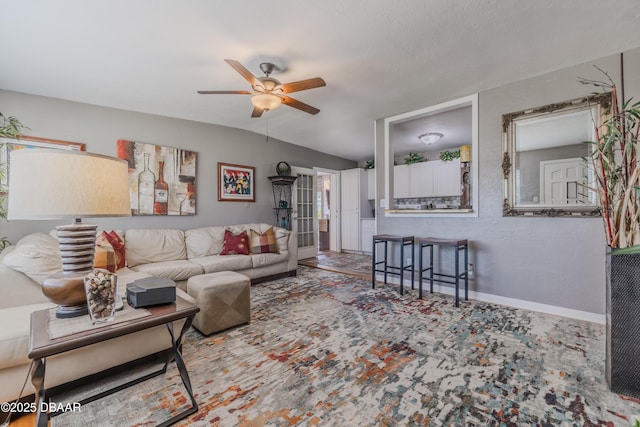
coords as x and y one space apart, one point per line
292 247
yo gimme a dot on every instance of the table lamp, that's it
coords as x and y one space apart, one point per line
53 184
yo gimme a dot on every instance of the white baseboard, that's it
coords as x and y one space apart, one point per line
510 302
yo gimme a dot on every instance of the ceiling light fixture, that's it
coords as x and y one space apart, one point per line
430 137
266 101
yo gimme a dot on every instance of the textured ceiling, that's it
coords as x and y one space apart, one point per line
379 57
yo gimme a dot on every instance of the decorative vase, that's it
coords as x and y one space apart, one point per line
623 324
101 288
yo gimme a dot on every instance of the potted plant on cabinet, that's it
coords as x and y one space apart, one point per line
10 127
615 158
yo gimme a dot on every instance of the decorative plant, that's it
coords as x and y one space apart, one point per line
447 156
413 158
617 171
370 164
10 127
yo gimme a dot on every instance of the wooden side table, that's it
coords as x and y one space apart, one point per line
42 346
458 245
390 269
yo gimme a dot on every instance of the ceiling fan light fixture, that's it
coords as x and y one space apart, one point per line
266 101
430 137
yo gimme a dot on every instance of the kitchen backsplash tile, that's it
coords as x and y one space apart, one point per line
423 203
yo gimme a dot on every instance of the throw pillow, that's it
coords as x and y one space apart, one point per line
235 244
105 256
118 247
264 243
37 255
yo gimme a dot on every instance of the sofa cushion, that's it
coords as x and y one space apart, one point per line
14 334
146 246
235 244
36 255
214 263
174 270
263 243
204 241
260 260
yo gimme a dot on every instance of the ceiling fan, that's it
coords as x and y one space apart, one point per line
268 93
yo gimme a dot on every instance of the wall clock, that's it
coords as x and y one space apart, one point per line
283 169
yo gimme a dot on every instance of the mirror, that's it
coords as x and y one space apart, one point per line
546 164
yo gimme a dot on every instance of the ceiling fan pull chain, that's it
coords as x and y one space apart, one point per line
267 120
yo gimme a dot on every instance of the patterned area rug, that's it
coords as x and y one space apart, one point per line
324 349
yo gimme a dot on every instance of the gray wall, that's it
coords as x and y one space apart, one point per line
555 261
100 128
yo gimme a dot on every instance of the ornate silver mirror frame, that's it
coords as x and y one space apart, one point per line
546 166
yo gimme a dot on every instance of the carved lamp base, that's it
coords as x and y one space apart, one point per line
77 249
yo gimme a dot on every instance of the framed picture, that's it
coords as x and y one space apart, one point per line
162 180
236 183
7 145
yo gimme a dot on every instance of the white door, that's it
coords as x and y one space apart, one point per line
350 209
305 221
564 182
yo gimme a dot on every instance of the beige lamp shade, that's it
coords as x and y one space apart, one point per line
49 184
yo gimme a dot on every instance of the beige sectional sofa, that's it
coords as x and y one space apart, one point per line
171 253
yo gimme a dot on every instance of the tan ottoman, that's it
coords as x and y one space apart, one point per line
223 298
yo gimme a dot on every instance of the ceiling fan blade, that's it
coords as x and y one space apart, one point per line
257 112
224 92
253 80
299 105
302 85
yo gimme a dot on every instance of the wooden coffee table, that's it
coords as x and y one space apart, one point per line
41 347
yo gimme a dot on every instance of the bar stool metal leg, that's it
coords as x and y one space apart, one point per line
413 253
385 262
420 271
466 272
457 258
402 269
431 268
373 267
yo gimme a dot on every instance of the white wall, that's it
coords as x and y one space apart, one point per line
99 128
552 261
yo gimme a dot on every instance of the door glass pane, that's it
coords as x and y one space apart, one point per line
306 234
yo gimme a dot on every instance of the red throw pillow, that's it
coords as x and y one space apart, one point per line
235 244
118 247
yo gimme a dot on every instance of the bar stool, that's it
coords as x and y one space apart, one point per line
458 245
390 269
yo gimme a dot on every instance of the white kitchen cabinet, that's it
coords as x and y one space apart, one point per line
368 229
447 178
401 182
427 179
353 206
371 184
421 179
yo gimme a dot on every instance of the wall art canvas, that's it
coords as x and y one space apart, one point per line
236 183
7 145
162 180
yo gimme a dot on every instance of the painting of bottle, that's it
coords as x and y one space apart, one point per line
161 192
146 183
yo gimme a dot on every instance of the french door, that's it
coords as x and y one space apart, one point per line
305 221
